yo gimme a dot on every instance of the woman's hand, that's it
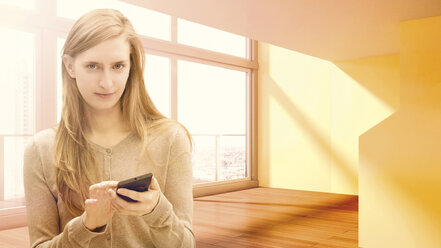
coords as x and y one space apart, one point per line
147 200
98 208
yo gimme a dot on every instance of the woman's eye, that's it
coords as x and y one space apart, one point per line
92 67
119 66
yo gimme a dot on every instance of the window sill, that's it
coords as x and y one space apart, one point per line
223 187
12 215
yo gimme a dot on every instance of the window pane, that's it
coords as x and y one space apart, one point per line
204 164
25 4
197 35
146 22
157 80
13 161
60 44
211 100
17 82
233 157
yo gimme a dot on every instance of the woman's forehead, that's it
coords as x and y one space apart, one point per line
112 50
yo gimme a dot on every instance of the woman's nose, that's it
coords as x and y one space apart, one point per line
106 79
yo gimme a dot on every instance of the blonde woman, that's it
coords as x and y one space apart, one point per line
110 130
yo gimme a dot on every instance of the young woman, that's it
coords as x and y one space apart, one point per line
110 131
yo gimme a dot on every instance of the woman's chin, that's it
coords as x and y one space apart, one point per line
103 107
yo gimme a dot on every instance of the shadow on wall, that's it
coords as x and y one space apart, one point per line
321 142
312 112
294 150
378 75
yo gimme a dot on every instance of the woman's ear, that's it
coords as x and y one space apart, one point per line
68 64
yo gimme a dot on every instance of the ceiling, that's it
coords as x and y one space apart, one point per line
329 29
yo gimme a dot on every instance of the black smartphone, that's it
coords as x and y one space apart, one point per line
139 184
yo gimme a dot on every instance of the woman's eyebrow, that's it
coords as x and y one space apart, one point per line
121 61
117 62
90 62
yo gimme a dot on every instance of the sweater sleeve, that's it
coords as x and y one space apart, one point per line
171 220
42 211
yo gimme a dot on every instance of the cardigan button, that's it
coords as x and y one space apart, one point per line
109 151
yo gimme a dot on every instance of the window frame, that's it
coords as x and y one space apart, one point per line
183 52
47 27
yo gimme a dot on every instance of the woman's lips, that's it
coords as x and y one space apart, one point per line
108 95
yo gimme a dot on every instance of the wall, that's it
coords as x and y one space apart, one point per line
311 113
294 120
400 158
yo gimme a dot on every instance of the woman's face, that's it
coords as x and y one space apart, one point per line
101 73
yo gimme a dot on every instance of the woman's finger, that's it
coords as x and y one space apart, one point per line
104 185
154 185
112 193
96 190
90 204
91 201
130 193
109 184
123 203
120 205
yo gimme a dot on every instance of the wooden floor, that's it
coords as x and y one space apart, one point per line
266 217
262 217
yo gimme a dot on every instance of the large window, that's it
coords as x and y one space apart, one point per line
212 104
198 75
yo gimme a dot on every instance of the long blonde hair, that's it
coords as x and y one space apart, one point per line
75 164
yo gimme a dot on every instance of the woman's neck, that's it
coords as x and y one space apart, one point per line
106 122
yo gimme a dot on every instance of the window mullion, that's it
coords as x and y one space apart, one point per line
218 158
174 72
174 87
253 116
174 29
2 168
